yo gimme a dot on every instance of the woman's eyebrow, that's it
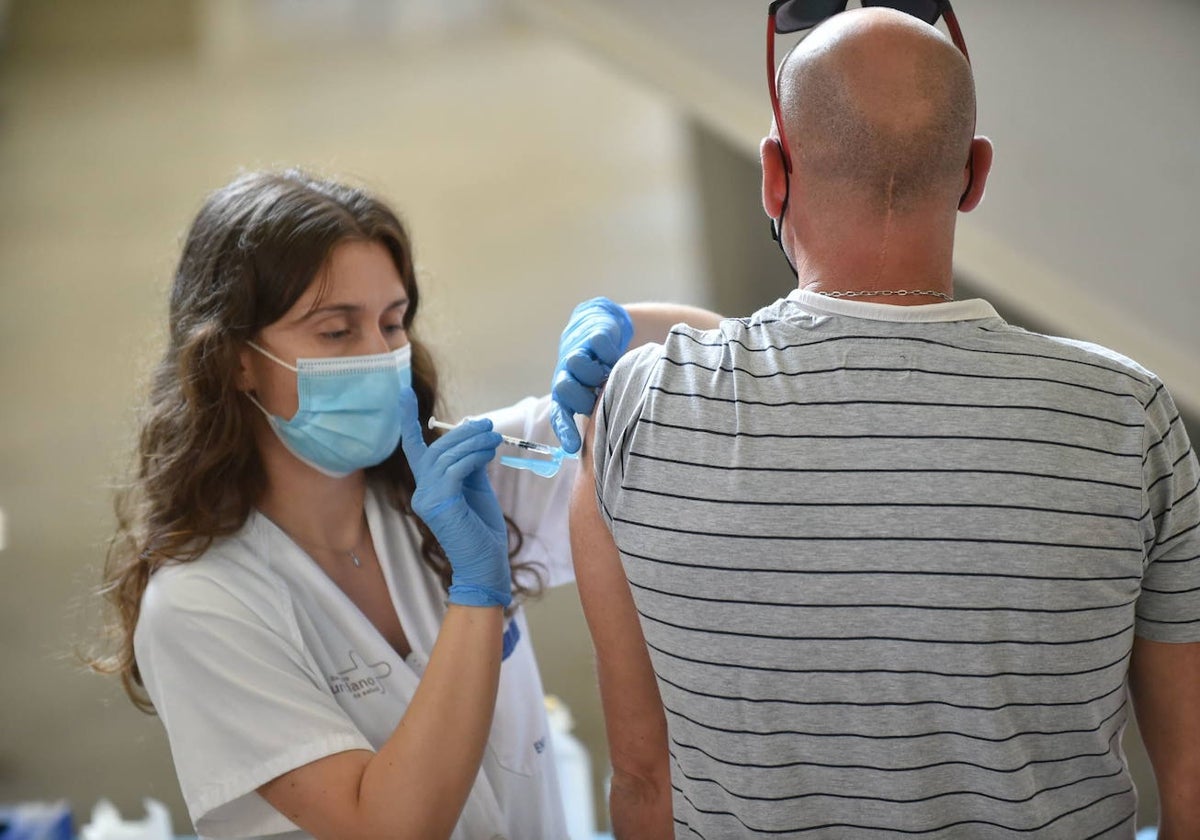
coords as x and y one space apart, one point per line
345 308
348 308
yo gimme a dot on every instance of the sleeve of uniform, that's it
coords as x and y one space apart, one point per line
240 703
1168 609
616 422
537 505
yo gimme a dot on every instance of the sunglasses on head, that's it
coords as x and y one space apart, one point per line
797 15
787 16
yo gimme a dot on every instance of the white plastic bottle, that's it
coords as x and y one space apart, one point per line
574 768
107 824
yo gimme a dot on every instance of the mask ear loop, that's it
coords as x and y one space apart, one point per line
777 224
258 405
273 357
250 394
970 172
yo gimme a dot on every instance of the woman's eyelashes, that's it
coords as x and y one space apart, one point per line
336 334
344 332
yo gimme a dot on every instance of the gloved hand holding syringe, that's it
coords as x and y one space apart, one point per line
545 467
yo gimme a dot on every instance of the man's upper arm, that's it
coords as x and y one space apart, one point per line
633 711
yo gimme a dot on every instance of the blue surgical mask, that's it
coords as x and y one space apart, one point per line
349 413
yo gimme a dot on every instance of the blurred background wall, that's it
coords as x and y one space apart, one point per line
532 173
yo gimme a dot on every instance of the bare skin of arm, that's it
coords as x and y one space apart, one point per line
418 782
1164 680
652 321
640 799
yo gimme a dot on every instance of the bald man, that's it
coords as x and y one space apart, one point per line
872 562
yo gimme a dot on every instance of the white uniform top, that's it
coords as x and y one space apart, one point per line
258 663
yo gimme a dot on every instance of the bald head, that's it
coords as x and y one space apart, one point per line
878 110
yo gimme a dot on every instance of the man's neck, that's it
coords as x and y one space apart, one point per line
877 258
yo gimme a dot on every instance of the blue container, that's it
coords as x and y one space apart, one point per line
36 821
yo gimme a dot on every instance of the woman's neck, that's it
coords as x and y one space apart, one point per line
313 508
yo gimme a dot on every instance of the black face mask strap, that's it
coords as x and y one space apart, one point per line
970 179
777 224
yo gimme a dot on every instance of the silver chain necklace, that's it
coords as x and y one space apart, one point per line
303 545
888 293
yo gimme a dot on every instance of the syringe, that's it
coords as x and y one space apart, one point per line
528 445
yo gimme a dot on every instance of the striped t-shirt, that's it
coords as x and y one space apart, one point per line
889 563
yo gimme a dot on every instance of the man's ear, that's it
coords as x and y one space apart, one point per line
774 176
975 176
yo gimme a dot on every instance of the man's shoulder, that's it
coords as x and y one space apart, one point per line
1101 354
637 363
684 341
682 346
1087 352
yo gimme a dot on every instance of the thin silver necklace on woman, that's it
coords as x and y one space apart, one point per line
352 552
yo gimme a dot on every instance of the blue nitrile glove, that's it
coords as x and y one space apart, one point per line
456 501
595 337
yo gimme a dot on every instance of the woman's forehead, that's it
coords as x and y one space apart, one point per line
360 272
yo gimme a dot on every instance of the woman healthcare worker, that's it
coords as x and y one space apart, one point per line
318 594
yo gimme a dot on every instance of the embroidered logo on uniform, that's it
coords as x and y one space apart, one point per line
360 679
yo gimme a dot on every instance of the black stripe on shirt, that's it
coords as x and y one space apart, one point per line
937 733
1161 440
1125 819
896 800
850 369
738 666
893 829
1164 540
1145 620
1168 474
1171 591
880 606
907 438
927 470
1158 392
830 504
1176 502
1179 560
890 638
857 704
871 572
895 538
1006 771
906 403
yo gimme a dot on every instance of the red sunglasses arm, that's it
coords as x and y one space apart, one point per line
787 158
955 31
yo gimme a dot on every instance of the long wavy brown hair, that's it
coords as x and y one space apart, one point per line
254 248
